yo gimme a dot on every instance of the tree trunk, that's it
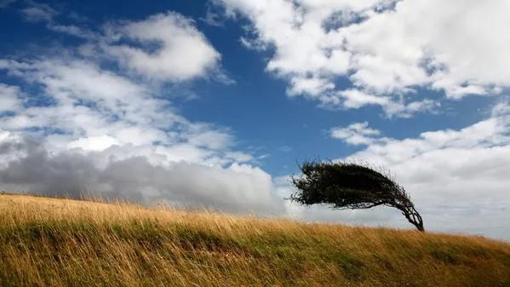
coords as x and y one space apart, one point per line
413 217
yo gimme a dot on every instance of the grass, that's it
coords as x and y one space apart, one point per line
60 242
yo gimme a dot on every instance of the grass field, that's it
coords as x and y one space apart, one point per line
59 242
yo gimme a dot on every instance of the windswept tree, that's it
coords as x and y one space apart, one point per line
351 186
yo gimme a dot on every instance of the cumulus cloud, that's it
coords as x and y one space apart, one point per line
385 48
457 178
355 134
169 48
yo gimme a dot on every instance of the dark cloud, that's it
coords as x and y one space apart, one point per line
239 188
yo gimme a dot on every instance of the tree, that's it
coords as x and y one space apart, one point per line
351 186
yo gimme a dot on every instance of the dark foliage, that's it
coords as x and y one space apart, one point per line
351 186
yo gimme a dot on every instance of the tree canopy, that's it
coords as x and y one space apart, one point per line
352 186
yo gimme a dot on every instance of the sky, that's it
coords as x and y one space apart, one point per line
213 104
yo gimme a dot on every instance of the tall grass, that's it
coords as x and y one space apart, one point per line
57 242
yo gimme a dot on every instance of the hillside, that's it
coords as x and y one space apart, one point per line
57 242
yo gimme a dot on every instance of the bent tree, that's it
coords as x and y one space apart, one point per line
351 186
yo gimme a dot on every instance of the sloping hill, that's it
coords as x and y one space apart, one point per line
58 242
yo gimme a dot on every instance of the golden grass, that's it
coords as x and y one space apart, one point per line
58 242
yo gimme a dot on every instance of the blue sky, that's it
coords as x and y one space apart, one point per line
212 103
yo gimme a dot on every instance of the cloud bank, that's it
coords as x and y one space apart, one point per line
28 166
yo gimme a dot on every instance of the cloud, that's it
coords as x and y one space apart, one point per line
9 98
385 48
87 101
355 134
81 105
455 49
37 12
237 188
94 143
457 178
213 17
169 48
355 98
71 30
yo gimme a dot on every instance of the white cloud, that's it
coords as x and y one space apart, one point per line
457 178
355 134
456 46
170 48
313 86
385 48
94 143
356 99
9 98
202 136
72 30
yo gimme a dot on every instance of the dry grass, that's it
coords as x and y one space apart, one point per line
57 242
